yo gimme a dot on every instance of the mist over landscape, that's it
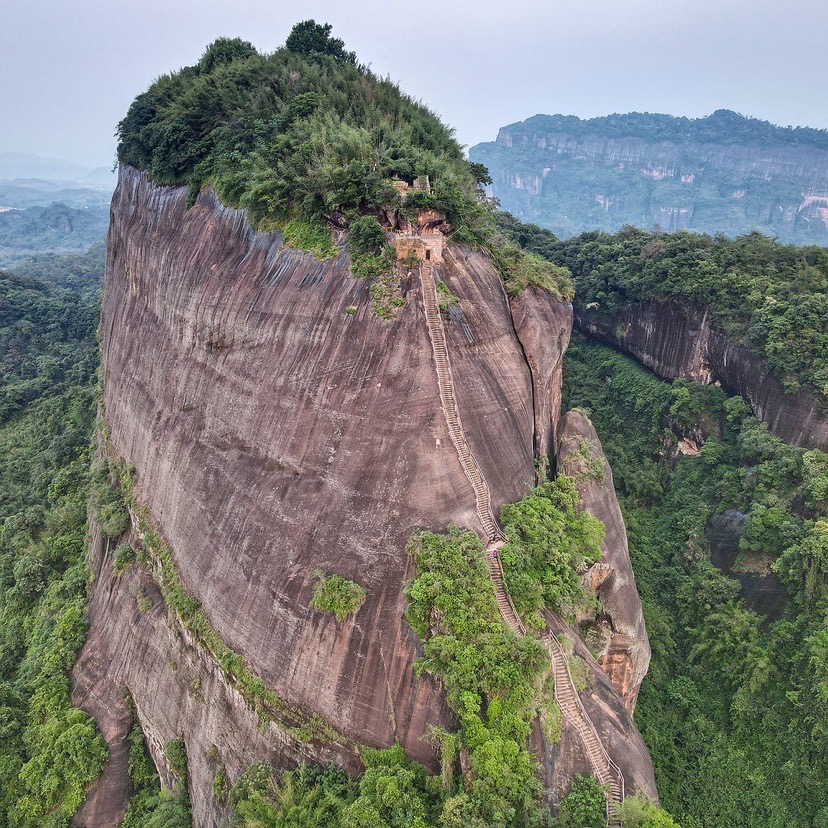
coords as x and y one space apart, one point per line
413 418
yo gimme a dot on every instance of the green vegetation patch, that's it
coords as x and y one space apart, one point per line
550 541
493 679
149 806
310 236
445 298
718 666
337 595
768 295
49 750
585 806
306 139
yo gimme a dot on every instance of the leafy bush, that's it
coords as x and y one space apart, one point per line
310 236
492 678
123 558
637 811
549 541
337 595
585 806
367 237
307 797
150 807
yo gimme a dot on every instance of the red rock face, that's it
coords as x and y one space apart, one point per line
627 656
675 340
274 432
276 426
544 326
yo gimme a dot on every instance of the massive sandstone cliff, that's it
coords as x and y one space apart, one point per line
275 430
677 340
579 180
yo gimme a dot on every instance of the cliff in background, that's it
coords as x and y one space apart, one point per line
274 430
677 340
724 173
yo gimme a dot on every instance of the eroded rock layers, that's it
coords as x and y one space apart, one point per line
278 427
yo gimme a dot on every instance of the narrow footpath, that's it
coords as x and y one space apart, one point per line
604 769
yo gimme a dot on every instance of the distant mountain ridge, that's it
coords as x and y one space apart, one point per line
28 165
723 173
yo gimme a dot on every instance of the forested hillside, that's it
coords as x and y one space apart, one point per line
309 140
734 707
49 751
55 228
721 174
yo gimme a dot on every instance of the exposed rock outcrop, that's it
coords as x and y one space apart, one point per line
676 340
275 430
613 724
762 590
560 173
625 656
543 326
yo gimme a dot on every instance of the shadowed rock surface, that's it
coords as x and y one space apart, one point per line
762 590
626 656
675 340
274 433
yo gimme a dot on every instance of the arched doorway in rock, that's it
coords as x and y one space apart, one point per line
428 255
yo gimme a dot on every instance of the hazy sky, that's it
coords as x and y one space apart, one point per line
71 68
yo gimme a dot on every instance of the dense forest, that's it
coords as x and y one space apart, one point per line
49 751
734 707
308 140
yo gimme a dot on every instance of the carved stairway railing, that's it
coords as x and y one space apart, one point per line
605 770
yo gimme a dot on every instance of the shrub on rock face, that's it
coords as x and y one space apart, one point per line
585 805
337 595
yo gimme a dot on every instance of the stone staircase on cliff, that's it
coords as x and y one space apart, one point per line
572 708
437 334
604 769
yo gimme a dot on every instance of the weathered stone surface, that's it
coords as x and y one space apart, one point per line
543 326
677 340
627 657
613 723
178 692
275 431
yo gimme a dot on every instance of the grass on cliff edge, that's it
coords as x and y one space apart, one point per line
307 134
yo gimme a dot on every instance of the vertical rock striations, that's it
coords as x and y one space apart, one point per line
276 427
676 340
